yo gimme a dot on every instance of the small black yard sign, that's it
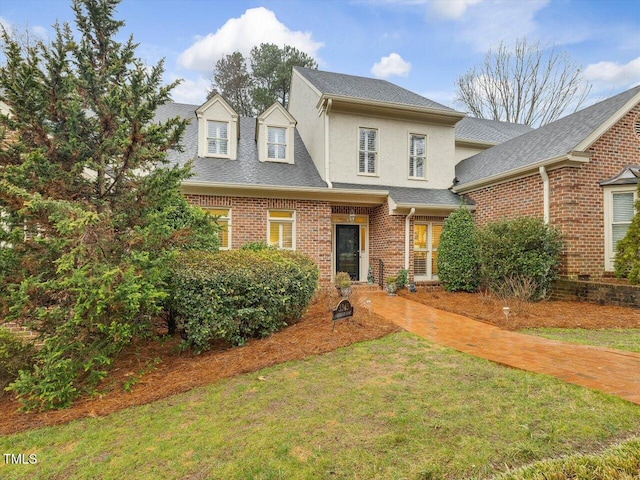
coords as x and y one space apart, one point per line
343 310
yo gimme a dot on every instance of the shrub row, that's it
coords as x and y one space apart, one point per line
236 295
513 258
15 355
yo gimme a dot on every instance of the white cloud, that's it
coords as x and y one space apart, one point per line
451 9
192 92
495 21
392 65
613 75
253 27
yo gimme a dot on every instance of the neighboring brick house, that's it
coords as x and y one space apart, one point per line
359 173
579 173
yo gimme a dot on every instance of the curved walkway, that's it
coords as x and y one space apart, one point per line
603 369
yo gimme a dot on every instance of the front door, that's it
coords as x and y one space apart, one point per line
347 251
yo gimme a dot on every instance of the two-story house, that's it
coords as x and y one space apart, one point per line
360 174
356 174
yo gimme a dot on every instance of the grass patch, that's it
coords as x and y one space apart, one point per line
621 462
398 407
627 339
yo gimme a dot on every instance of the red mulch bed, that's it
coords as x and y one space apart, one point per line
179 372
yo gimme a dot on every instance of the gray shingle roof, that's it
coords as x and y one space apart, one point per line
365 88
247 169
488 131
550 141
411 196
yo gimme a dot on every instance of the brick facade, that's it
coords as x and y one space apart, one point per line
314 229
249 224
576 198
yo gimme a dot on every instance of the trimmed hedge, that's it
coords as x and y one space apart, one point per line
458 264
519 257
239 294
627 261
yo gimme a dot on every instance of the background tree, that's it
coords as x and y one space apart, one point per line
90 210
526 85
252 91
271 69
232 80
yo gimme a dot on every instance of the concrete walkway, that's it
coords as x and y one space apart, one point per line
603 369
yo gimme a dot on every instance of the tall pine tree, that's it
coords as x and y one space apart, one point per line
90 209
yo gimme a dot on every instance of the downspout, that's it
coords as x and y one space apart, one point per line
407 231
326 143
545 193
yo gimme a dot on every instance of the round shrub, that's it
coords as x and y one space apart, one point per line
239 294
519 257
458 268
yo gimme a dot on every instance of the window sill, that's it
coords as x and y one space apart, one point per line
368 175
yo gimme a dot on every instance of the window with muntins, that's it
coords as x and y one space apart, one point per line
217 138
281 229
223 219
276 143
368 151
623 211
417 156
426 238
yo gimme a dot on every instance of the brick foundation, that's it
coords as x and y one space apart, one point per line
596 292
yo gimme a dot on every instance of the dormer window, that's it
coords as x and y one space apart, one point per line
275 134
218 129
217 138
276 143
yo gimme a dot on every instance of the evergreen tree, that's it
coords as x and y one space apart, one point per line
271 69
627 261
232 80
90 210
458 265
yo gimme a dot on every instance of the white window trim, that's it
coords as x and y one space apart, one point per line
413 177
287 144
429 250
377 153
609 254
291 220
217 155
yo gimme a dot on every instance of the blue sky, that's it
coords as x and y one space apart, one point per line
422 45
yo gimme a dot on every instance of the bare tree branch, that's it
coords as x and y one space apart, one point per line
526 84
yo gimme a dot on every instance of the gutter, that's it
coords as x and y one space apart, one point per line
545 194
573 159
407 231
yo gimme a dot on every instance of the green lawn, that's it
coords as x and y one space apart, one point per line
619 338
398 407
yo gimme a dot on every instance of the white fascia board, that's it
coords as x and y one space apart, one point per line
397 106
244 190
610 122
571 159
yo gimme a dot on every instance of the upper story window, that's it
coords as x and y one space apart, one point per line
276 143
281 229
223 219
218 129
217 138
417 156
368 152
275 135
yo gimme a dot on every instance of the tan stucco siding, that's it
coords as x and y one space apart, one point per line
466 152
302 106
393 151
